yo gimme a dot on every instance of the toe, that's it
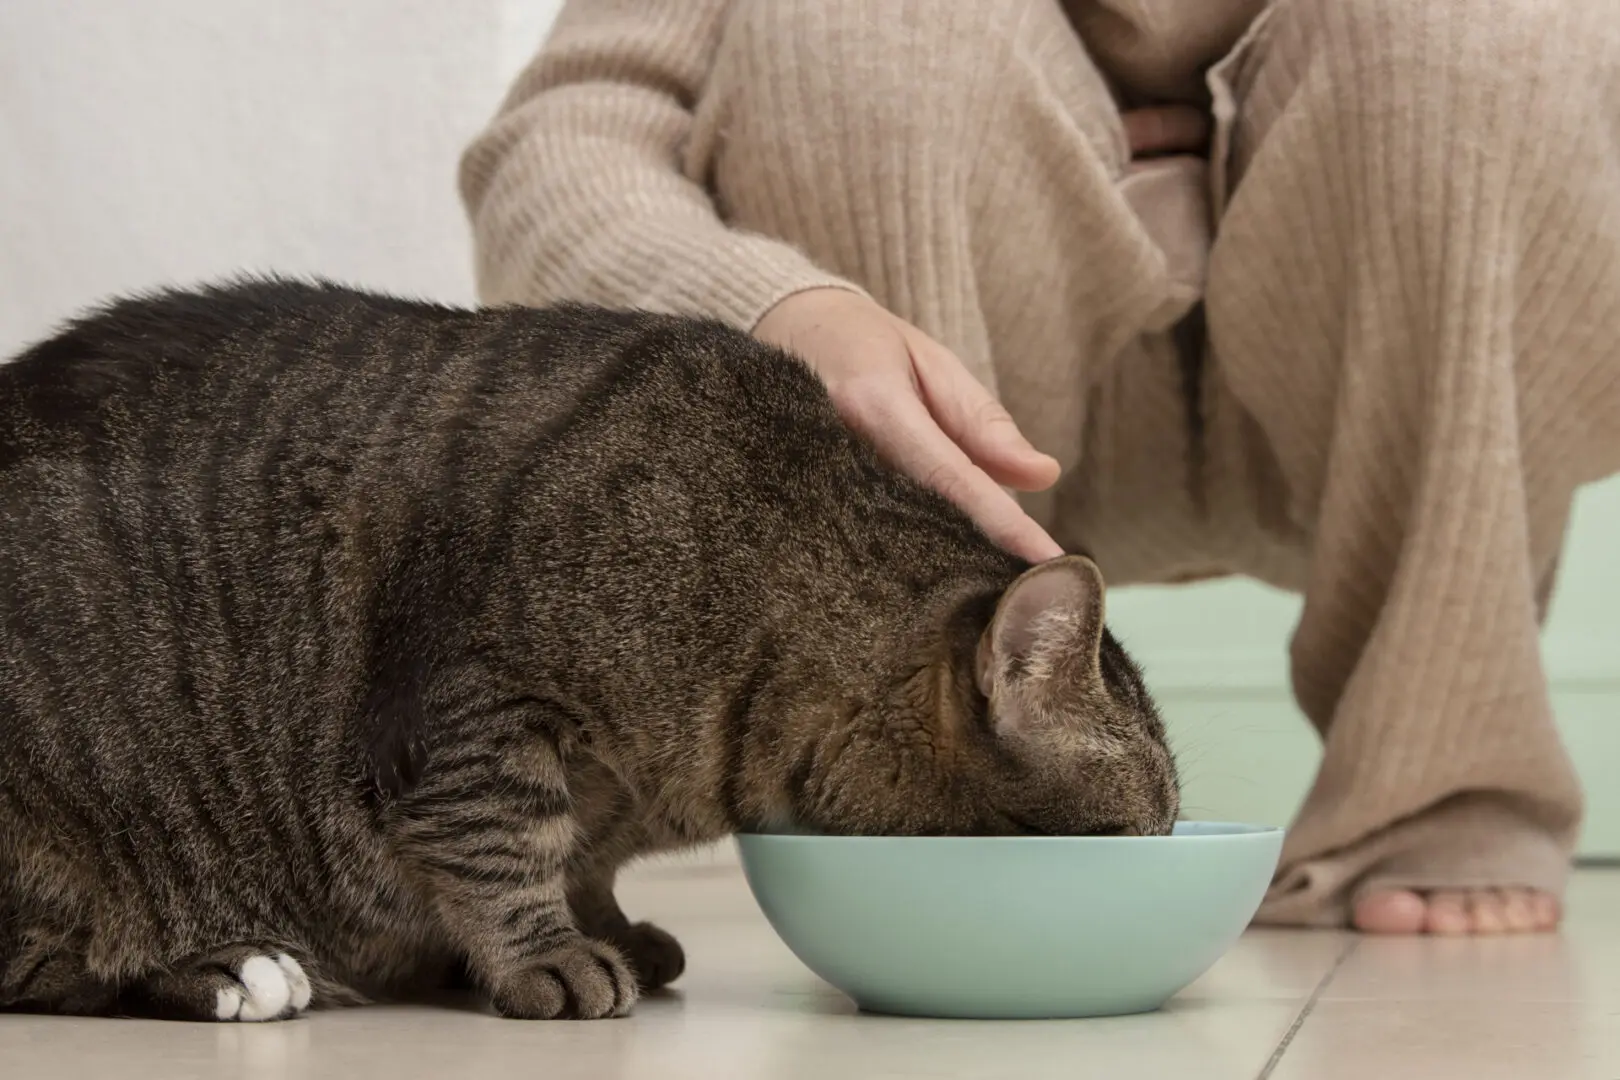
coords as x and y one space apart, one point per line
1546 911
1518 910
1487 909
1390 911
1448 913
583 980
297 982
227 1003
267 991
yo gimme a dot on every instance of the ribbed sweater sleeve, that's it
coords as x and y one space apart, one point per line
577 190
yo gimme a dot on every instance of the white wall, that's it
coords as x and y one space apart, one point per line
155 141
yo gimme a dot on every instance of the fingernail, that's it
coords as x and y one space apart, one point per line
1024 448
1044 550
1046 462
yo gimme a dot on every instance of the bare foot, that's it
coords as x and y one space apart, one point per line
1457 911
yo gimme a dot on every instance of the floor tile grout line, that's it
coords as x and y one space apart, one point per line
1305 1011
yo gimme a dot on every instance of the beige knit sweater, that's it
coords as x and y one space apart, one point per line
588 185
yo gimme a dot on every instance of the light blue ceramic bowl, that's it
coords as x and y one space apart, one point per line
1011 928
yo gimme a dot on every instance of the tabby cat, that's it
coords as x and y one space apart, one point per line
349 642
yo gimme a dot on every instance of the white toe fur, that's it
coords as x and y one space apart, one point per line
227 1003
297 981
268 992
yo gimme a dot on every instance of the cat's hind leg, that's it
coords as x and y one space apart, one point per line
51 974
45 971
244 983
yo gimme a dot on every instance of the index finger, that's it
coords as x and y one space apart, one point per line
927 454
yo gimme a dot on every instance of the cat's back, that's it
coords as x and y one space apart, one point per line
200 354
317 357
197 484
186 487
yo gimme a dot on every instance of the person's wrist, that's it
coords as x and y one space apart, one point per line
805 299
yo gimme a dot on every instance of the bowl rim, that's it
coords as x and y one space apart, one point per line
1220 832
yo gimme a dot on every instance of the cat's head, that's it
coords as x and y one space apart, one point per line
1018 715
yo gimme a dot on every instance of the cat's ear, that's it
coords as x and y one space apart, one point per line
1040 649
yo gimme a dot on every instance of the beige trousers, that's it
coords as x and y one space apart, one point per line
1407 241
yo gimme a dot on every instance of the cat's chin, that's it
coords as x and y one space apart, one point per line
781 822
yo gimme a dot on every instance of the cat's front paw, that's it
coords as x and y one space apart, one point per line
581 980
654 954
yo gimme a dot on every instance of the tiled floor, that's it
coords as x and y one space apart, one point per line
1286 1005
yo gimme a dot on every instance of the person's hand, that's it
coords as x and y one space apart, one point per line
915 402
918 406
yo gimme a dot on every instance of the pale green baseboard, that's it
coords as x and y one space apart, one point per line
1250 755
